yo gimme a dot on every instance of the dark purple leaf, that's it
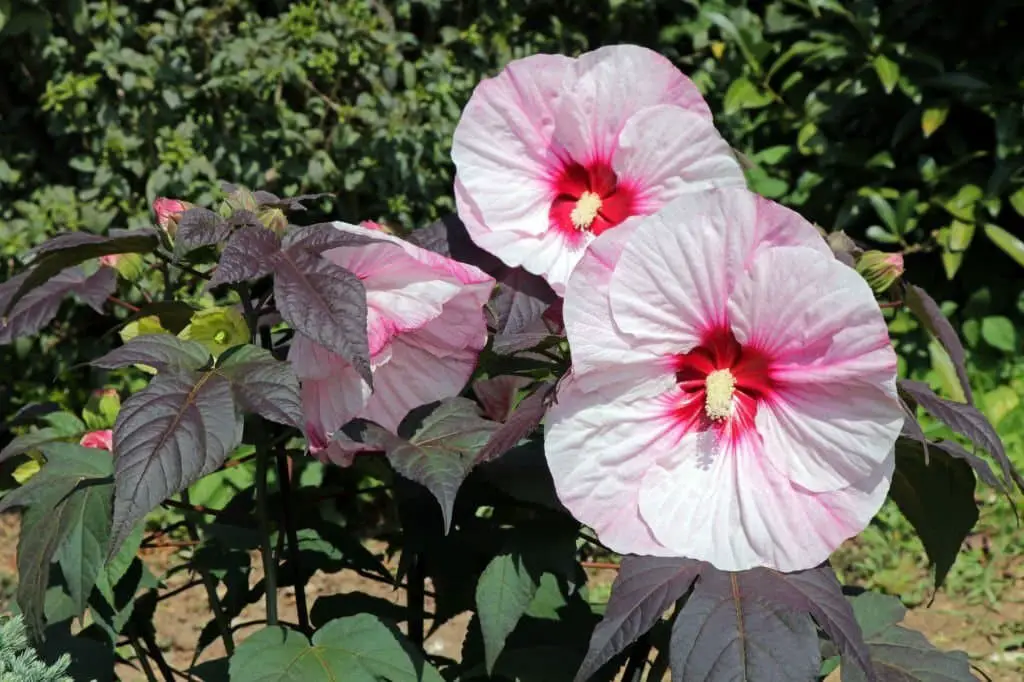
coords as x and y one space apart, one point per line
508 344
324 302
449 237
247 256
729 629
644 589
912 429
244 218
40 304
58 255
526 417
287 203
520 301
966 420
263 384
899 654
116 241
199 227
845 249
927 311
443 450
96 288
497 395
817 592
322 237
167 436
164 352
938 500
980 466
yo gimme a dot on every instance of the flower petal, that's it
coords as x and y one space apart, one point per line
415 376
332 402
601 353
834 414
502 144
598 446
665 151
734 510
608 86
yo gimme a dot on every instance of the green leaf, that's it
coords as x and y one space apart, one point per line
57 431
898 653
84 549
742 94
57 502
1013 246
885 211
503 595
1017 201
933 118
936 495
999 332
443 450
357 649
888 72
961 205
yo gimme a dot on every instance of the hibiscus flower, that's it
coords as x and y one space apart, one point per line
555 151
426 327
101 440
733 394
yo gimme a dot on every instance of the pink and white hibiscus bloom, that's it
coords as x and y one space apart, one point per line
733 395
101 440
426 327
554 151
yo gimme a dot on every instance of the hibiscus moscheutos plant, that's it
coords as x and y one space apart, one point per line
555 151
426 327
733 395
714 397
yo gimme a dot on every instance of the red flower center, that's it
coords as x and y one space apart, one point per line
722 384
589 199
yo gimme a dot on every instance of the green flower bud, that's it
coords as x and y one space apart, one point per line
101 410
274 219
217 329
880 269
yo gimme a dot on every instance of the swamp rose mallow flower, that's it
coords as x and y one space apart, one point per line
733 394
101 440
168 212
554 151
426 327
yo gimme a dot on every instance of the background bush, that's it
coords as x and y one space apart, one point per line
899 122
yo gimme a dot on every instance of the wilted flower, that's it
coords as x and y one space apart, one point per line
101 440
733 395
880 269
168 212
554 151
426 327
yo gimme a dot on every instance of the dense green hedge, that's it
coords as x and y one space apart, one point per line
898 121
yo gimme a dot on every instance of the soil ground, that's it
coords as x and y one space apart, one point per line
994 638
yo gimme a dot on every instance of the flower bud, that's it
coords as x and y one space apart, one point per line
128 265
101 440
274 219
880 269
101 410
168 213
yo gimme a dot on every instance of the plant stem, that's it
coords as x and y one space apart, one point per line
148 636
140 655
251 318
416 599
284 480
223 624
637 659
262 503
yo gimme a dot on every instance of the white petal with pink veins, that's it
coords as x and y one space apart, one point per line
729 507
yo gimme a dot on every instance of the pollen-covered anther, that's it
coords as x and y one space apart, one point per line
585 211
719 387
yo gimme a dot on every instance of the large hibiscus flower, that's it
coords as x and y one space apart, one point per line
733 395
426 327
554 151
